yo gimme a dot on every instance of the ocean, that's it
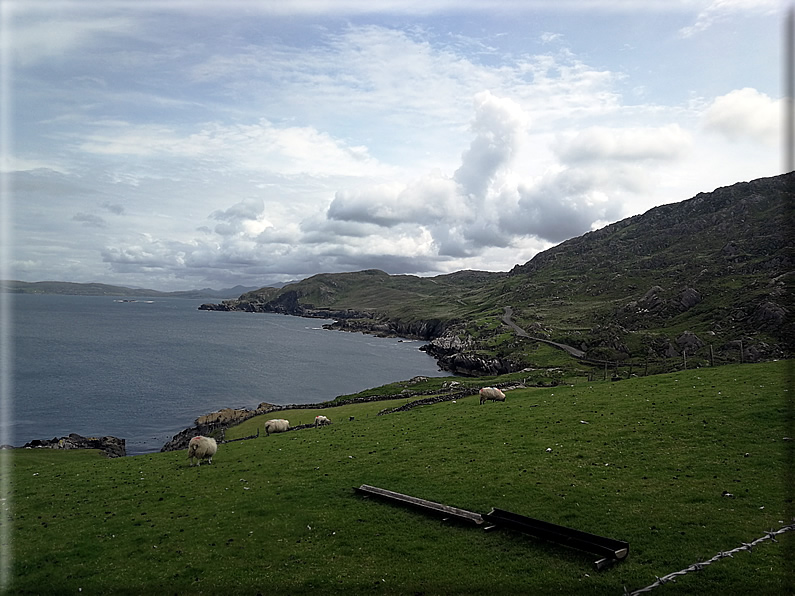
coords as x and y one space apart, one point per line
146 369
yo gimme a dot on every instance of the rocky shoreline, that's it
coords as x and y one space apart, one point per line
111 446
452 354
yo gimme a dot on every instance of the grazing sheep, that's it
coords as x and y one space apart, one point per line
202 448
321 421
491 393
277 425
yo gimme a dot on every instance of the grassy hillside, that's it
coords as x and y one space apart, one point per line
406 298
647 460
707 279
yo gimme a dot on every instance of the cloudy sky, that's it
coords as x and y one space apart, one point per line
176 145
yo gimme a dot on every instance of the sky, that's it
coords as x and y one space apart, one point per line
179 145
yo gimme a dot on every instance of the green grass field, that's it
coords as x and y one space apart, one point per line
645 460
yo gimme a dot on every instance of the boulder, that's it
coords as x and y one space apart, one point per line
652 300
689 342
689 298
769 315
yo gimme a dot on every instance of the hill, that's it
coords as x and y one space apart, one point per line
706 279
97 289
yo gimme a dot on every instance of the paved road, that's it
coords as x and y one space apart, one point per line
506 318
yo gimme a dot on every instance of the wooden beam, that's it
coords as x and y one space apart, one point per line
608 549
445 511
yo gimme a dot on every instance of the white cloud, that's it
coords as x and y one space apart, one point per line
244 218
11 163
564 204
30 41
498 126
664 143
90 220
487 205
378 205
452 210
288 151
745 114
548 37
718 10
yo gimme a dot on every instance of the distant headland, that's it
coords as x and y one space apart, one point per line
66 288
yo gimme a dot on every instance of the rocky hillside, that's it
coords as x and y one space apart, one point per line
708 278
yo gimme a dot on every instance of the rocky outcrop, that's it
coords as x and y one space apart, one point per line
688 298
457 353
231 416
769 315
655 302
209 424
689 342
423 330
111 446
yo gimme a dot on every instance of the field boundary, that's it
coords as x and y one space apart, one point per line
721 555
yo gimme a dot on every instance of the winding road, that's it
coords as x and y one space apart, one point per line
506 318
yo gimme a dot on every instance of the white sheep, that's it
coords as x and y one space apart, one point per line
202 448
321 421
277 425
491 393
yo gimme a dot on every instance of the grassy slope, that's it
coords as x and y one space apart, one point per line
729 245
650 467
400 297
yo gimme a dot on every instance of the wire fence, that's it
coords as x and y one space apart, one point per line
671 577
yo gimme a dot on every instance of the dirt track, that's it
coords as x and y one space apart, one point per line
506 318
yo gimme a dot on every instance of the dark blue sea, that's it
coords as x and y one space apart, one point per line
147 369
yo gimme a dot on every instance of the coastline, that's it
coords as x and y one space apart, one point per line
175 364
220 420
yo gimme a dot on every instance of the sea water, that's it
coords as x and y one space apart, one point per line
143 370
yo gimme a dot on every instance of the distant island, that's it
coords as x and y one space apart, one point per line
97 289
